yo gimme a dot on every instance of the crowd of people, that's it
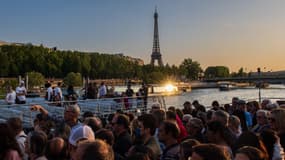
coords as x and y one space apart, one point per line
237 131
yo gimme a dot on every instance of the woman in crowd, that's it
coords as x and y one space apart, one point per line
9 148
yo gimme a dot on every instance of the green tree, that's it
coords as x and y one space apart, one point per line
36 79
216 71
190 69
74 79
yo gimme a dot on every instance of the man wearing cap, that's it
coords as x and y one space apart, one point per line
71 114
79 134
21 93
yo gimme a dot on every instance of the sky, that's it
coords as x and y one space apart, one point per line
232 33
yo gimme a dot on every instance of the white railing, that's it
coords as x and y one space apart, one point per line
100 107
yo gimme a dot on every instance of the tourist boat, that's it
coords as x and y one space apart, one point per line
226 86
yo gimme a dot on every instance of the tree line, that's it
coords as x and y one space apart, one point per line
18 60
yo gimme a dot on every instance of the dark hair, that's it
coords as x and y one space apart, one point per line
15 123
38 142
106 135
94 123
187 146
88 114
171 108
170 115
249 138
159 115
252 153
123 120
210 152
269 138
171 128
62 130
98 150
8 141
148 121
144 150
55 151
218 127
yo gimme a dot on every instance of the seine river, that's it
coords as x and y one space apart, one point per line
206 96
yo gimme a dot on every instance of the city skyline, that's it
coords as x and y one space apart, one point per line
244 33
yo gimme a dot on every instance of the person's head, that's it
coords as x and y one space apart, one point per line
209 152
234 124
269 139
186 118
9 89
147 125
261 117
186 148
93 122
97 149
160 116
221 116
154 107
121 123
234 101
143 150
57 149
170 115
168 130
194 126
105 135
36 143
15 123
7 140
215 105
196 104
71 114
80 134
187 105
62 130
276 120
216 132
264 103
248 138
22 83
249 153
241 105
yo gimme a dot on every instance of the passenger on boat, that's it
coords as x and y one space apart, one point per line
123 139
15 123
187 108
147 128
262 121
21 92
11 95
71 114
9 148
168 134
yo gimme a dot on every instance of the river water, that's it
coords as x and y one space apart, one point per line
206 96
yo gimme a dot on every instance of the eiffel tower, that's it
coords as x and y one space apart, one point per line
156 55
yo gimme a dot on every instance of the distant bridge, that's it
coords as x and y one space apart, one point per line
273 79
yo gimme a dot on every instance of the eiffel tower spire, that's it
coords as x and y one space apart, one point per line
156 55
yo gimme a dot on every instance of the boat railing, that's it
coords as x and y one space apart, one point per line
102 107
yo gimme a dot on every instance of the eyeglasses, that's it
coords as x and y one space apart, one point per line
271 119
